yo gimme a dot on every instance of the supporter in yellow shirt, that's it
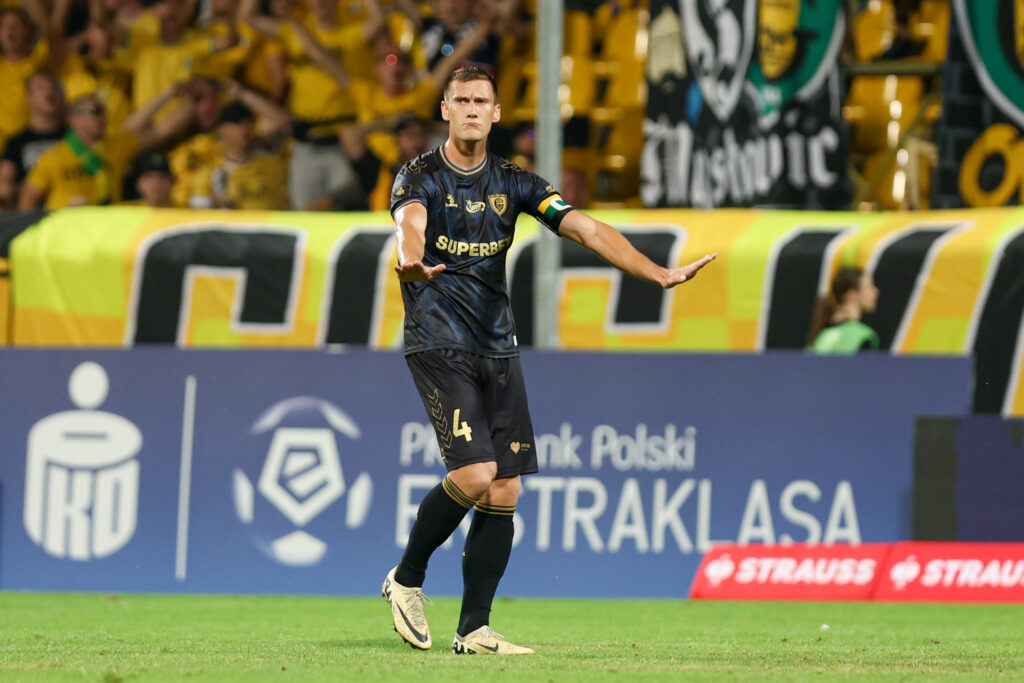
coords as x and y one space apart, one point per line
399 93
44 130
320 177
246 177
223 27
137 21
21 55
172 57
191 131
153 180
84 168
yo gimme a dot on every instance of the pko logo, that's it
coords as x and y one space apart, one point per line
300 479
81 475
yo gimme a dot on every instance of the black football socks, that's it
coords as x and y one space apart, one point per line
484 559
440 513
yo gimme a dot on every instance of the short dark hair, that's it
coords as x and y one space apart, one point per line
236 112
471 73
152 161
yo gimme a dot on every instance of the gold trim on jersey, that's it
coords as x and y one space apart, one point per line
462 171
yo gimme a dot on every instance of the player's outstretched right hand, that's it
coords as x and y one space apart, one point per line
415 271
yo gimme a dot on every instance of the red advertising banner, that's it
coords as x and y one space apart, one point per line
908 571
953 572
797 572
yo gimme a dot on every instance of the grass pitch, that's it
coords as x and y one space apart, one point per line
93 637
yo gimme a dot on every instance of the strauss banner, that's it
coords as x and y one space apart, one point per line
744 105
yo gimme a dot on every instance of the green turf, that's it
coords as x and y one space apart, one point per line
75 637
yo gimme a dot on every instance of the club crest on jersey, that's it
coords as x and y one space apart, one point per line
499 203
475 207
403 191
449 201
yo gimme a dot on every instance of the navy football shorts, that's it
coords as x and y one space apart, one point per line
478 408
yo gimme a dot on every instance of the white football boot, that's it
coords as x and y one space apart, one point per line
485 641
407 611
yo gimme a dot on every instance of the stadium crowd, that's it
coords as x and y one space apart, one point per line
247 104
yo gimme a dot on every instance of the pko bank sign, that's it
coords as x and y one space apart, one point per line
300 472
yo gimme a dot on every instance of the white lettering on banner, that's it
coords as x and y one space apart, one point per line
973 573
642 451
405 514
648 517
587 503
576 515
81 475
810 571
741 173
559 451
419 438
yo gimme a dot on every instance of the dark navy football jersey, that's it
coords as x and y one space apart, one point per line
471 220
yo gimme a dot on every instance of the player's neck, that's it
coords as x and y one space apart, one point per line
465 154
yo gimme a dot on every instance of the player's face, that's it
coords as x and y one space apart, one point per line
470 109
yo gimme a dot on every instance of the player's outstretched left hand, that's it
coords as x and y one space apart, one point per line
678 276
416 271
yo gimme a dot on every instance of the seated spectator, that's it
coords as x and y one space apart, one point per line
246 176
45 129
320 176
86 167
153 180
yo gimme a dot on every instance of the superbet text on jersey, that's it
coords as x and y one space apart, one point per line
471 220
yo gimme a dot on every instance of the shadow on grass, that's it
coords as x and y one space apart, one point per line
364 644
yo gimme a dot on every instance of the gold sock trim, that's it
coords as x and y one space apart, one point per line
456 494
506 510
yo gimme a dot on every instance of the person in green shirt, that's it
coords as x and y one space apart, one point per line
836 326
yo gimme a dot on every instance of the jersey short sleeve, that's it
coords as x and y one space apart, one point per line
43 174
541 200
412 184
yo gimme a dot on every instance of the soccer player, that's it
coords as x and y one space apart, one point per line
455 208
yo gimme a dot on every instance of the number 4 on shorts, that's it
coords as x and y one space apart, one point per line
462 429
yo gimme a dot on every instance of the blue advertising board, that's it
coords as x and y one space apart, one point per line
156 469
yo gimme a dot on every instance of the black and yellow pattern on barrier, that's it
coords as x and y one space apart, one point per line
952 282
